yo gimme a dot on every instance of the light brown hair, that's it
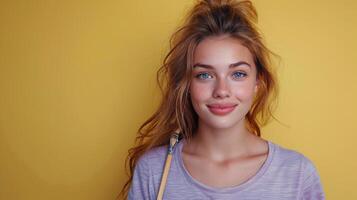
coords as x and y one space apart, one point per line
207 18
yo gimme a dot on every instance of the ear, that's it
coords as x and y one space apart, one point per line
256 87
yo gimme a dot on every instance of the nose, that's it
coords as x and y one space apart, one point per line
222 89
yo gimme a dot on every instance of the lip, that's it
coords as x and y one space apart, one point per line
221 109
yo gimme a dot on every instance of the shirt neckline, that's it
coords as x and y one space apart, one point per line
242 186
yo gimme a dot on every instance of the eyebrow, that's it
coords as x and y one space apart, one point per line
230 66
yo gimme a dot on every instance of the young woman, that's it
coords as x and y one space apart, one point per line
219 88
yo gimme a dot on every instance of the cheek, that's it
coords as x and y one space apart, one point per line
245 92
199 92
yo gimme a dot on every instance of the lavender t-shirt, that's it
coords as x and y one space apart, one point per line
286 174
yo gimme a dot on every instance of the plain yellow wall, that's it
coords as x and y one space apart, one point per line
77 78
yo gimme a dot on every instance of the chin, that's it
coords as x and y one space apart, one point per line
220 123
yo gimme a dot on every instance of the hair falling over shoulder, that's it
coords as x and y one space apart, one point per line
206 18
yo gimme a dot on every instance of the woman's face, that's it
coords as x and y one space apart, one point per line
223 82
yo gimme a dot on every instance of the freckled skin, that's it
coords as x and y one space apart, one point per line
219 52
223 153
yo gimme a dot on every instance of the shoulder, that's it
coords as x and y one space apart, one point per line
298 167
287 155
153 160
294 160
147 174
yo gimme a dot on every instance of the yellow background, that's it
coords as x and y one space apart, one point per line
77 78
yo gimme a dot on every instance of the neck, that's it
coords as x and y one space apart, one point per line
221 144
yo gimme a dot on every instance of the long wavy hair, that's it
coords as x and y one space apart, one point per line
236 19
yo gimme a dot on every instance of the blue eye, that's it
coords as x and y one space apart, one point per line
239 75
203 76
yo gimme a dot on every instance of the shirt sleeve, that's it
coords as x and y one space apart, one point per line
312 187
140 186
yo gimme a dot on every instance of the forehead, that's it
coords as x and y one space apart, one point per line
221 50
